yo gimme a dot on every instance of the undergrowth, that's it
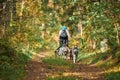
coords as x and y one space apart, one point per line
12 62
99 57
57 61
113 76
12 68
64 78
108 60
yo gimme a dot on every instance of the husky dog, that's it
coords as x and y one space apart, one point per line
63 51
74 53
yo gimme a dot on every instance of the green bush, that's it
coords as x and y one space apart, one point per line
11 63
64 78
57 61
100 56
117 54
113 76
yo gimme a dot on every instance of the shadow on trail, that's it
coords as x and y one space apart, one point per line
37 70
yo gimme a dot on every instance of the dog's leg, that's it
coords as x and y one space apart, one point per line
64 55
74 58
71 56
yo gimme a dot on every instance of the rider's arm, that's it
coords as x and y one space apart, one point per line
60 32
68 34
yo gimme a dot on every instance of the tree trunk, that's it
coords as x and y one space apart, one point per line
6 17
117 33
21 11
1 10
94 44
80 28
14 10
1 17
43 31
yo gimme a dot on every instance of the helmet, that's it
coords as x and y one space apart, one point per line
63 28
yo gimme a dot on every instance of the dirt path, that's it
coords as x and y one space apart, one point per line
37 70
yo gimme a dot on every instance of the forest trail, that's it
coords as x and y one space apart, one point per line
37 70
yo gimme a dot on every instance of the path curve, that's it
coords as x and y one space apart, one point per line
37 70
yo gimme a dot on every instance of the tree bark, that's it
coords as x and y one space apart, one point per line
80 28
21 11
6 17
43 31
14 9
117 33
1 17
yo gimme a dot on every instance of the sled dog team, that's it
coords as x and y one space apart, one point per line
68 53
63 49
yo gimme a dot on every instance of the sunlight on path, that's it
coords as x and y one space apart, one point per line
86 75
38 57
37 70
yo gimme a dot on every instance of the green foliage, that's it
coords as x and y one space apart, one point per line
57 61
84 56
117 55
15 69
64 78
23 31
100 56
94 58
12 63
113 76
14 72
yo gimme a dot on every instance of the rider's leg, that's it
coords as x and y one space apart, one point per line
66 41
60 43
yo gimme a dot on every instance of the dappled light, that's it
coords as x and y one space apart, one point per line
52 67
59 39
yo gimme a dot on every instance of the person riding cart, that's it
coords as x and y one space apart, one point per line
64 37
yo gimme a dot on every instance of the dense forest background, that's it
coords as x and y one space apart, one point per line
30 26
